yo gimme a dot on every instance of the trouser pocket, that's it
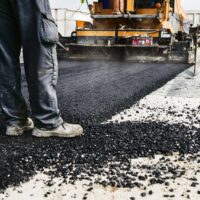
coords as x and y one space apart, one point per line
49 38
48 30
43 6
48 27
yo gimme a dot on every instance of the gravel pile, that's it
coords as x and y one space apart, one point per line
105 150
90 94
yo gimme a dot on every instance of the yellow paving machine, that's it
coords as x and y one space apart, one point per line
133 30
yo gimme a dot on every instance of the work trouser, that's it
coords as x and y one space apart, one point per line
28 24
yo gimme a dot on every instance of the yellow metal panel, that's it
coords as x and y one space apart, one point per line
112 33
97 8
130 5
179 10
96 33
153 11
134 33
166 10
106 12
181 23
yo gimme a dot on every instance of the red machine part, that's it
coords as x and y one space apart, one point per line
142 41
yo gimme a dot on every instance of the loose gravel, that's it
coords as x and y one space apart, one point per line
90 93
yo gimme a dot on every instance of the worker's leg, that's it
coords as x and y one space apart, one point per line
39 35
12 104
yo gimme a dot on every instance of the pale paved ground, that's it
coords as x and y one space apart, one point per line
36 188
177 102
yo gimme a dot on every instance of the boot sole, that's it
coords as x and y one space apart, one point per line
21 131
38 133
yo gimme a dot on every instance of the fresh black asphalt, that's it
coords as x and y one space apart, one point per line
91 93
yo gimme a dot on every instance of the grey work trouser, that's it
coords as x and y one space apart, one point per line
28 24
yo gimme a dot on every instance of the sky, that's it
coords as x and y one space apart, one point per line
75 4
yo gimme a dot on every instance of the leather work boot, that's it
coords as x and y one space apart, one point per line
64 130
20 129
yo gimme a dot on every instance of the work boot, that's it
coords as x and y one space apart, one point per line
20 129
65 130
